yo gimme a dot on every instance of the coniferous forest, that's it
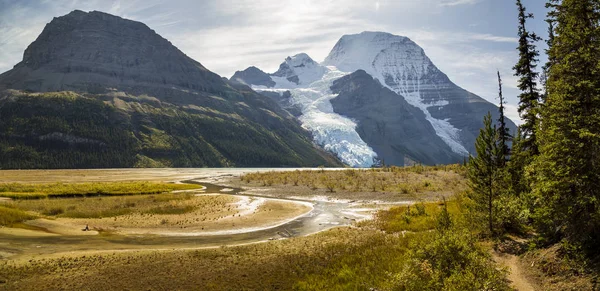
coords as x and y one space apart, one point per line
547 184
70 130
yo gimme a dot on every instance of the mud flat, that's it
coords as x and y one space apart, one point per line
211 216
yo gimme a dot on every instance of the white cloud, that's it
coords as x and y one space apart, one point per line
512 112
457 2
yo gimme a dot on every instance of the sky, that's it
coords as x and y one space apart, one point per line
469 40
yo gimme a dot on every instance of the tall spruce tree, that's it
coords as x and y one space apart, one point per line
548 64
525 69
567 171
503 131
483 170
517 185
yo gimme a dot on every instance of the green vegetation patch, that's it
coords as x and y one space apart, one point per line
38 191
403 180
99 207
415 218
10 216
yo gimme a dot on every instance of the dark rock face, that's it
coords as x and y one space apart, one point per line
97 54
394 129
253 76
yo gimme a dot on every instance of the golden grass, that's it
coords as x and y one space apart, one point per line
97 207
360 258
38 191
182 212
278 265
404 180
415 218
10 216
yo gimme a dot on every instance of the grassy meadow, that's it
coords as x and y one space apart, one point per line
369 255
89 200
53 190
390 184
405 180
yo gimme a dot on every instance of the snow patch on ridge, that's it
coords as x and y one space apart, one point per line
300 70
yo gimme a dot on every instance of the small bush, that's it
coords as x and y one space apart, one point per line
420 208
10 216
54 211
512 214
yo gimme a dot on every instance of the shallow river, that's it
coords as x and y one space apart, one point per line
325 215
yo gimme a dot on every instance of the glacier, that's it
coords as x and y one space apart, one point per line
312 94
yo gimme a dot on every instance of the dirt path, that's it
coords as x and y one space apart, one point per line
516 274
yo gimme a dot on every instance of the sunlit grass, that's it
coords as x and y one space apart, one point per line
370 257
99 207
415 218
10 216
38 191
403 180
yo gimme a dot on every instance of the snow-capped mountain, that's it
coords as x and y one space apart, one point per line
300 70
304 85
401 65
449 113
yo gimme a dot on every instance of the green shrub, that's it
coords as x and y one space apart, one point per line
512 214
448 261
10 216
54 211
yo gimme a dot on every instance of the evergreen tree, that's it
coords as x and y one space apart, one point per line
517 184
546 67
503 131
525 70
567 171
483 169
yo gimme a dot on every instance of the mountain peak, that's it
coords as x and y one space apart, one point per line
370 35
300 69
299 60
84 50
363 50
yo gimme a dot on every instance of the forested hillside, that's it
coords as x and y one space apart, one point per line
546 185
70 130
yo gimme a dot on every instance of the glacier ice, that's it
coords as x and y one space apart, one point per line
334 132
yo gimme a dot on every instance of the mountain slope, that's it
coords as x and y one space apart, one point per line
401 65
397 132
129 82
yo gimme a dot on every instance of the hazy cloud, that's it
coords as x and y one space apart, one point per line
458 2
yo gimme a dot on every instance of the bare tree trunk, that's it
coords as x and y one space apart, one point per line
490 198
